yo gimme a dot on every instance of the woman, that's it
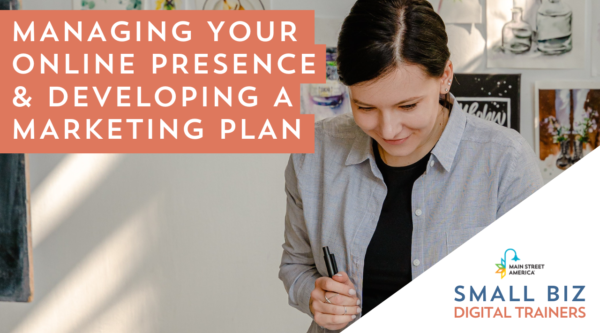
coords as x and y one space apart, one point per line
404 180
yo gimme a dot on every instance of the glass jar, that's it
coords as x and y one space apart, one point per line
577 152
554 26
516 34
564 158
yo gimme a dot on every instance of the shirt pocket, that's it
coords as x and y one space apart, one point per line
456 238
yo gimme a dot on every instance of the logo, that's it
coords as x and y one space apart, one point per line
502 265
505 267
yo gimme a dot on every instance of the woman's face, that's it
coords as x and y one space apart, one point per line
400 109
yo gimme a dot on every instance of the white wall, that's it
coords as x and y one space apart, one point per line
47 4
181 243
156 243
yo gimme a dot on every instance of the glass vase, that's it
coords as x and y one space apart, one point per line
564 160
554 26
516 34
577 152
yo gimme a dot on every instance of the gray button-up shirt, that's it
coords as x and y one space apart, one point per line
477 172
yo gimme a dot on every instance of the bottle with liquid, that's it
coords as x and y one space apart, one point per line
554 26
516 34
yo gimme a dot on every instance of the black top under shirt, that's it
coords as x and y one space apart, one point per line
388 259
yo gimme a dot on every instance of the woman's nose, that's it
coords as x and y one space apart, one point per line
389 127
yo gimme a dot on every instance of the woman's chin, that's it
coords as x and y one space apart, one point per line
399 151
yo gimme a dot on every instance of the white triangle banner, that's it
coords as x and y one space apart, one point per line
536 269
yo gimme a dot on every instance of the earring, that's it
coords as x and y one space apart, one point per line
446 89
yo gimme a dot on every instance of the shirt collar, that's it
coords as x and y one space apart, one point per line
444 151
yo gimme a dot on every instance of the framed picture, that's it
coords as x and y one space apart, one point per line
536 34
10 4
134 4
494 97
169 4
231 4
16 271
566 124
327 99
596 38
107 4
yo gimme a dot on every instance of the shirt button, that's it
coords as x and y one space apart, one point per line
418 212
432 163
416 262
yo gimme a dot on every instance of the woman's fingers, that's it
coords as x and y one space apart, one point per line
333 309
318 294
336 327
339 299
342 277
325 320
329 284
334 302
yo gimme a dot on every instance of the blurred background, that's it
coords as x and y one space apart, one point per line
185 243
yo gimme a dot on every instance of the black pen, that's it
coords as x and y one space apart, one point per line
330 262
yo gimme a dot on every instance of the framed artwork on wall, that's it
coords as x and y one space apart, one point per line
10 4
16 271
169 4
327 99
536 34
566 123
107 4
231 4
134 4
494 97
596 38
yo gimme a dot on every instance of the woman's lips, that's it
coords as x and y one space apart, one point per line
396 142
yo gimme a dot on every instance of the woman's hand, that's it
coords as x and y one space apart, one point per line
344 302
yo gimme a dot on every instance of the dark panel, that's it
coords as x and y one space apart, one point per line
490 96
15 246
10 4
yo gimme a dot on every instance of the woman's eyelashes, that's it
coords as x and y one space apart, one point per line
365 108
408 107
404 107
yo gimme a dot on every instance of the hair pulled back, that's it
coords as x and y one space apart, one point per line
379 35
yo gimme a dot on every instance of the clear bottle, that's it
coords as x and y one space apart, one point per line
554 26
564 161
516 34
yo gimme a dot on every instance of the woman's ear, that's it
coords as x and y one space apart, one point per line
446 79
